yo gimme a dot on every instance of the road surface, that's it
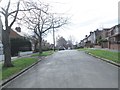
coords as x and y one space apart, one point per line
68 69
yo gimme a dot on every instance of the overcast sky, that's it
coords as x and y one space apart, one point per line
86 16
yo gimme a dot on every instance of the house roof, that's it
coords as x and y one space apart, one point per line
115 26
106 29
14 34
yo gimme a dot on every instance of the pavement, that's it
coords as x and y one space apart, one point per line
22 54
111 50
68 69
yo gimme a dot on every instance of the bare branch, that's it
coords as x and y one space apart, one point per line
20 10
8 6
47 29
3 9
2 13
15 15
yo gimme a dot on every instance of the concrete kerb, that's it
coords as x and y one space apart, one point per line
18 74
114 63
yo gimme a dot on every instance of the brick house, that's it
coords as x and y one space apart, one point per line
19 43
92 40
104 38
114 37
14 34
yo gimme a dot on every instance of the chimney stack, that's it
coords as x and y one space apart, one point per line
18 29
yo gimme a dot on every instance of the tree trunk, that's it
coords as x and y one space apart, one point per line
6 48
35 47
40 44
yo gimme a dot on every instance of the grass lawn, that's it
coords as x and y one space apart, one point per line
45 53
114 56
19 65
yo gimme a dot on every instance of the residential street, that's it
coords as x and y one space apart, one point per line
69 69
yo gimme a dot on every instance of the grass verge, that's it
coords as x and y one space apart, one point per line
45 53
114 56
19 65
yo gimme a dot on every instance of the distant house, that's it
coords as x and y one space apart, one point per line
92 40
46 46
104 38
114 37
87 42
83 42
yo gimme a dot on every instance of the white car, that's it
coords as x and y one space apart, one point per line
69 48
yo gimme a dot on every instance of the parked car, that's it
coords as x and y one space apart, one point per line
61 48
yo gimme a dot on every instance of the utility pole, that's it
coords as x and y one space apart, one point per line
53 35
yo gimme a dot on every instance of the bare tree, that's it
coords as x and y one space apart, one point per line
61 43
7 13
6 32
41 21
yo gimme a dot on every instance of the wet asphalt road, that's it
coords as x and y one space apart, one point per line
68 69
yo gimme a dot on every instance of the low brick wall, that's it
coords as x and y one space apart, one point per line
105 45
115 46
97 46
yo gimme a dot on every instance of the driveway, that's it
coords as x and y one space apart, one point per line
68 69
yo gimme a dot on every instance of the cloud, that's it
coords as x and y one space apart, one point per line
87 15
